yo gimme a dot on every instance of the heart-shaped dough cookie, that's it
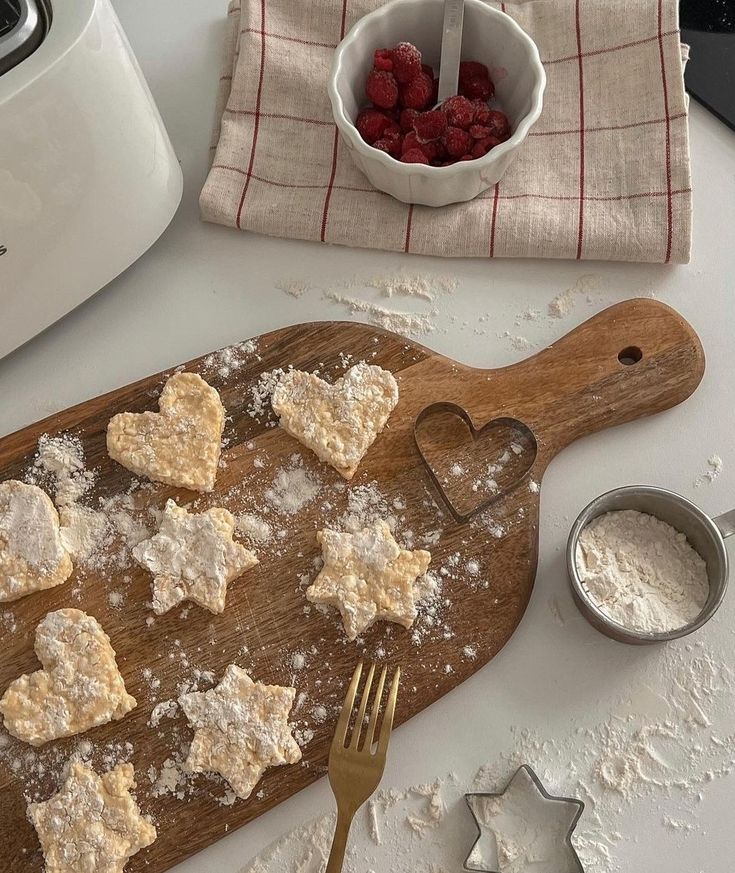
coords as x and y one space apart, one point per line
78 687
180 444
340 421
32 555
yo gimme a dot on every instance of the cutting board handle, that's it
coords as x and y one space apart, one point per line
633 359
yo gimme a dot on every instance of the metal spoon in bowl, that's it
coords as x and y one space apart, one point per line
451 50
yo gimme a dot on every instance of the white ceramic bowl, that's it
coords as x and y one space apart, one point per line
489 36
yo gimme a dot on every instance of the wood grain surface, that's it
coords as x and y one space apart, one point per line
578 386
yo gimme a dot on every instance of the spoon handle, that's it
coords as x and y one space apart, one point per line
451 48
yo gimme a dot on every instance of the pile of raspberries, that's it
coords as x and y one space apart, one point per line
402 123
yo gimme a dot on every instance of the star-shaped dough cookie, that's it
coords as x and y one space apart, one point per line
32 555
241 729
92 824
193 557
340 421
78 687
179 445
368 577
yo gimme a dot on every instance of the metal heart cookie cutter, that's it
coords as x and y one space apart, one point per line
524 827
445 435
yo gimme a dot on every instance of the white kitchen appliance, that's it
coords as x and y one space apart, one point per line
88 176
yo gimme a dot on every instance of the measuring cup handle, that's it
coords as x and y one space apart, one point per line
726 523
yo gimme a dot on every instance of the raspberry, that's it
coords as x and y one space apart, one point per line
381 89
416 94
407 119
428 70
391 143
482 112
430 125
478 88
474 80
499 124
483 146
371 124
411 142
382 60
457 142
467 158
472 70
406 62
459 112
479 131
414 156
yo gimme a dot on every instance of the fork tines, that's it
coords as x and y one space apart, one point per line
367 736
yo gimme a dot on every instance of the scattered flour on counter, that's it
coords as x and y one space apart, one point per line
414 285
293 287
519 343
641 572
411 324
715 465
656 750
563 303
425 288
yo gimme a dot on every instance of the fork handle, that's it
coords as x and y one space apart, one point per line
339 843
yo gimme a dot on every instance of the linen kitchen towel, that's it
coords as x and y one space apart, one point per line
604 173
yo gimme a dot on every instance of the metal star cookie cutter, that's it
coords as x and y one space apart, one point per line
476 433
525 773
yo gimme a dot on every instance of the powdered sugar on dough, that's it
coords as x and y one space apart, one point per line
92 824
180 445
241 729
193 557
78 687
340 421
368 577
32 555
641 571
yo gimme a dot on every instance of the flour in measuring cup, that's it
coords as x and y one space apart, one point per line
641 572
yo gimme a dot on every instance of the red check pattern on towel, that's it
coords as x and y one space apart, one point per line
604 174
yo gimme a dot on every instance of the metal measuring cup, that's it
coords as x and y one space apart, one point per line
707 535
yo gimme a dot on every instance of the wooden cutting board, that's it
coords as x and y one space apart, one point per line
633 359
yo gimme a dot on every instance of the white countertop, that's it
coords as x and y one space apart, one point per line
202 287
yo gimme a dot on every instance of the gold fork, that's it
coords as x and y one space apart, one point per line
355 770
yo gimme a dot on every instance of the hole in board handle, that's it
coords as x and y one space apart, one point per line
630 355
